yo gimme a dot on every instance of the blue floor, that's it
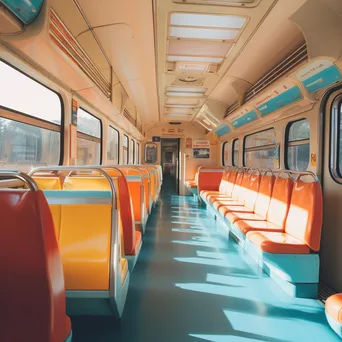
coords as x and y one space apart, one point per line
193 284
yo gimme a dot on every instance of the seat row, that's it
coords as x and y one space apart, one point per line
97 217
277 218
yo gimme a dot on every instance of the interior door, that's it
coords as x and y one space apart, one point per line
331 242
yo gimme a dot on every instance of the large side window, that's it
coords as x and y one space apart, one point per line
235 153
260 149
88 138
336 140
138 154
225 154
125 149
297 152
113 145
30 122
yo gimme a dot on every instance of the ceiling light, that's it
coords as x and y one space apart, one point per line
178 114
180 106
183 101
187 89
199 48
203 33
183 94
193 66
194 59
207 20
247 3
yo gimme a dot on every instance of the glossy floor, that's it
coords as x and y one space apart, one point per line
192 284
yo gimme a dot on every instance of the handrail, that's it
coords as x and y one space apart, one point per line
21 176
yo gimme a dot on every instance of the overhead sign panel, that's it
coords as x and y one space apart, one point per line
245 119
318 74
222 129
283 95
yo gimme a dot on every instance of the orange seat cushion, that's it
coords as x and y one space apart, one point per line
236 216
333 306
246 226
137 243
277 243
218 204
208 193
220 197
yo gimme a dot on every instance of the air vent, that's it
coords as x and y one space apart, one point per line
63 38
231 109
128 116
297 58
174 123
188 80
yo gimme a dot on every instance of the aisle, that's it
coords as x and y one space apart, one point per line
191 284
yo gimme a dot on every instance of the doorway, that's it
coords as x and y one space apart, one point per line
170 162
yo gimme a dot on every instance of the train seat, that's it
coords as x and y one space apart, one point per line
261 204
276 212
192 184
147 189
333 312
33 301
209 179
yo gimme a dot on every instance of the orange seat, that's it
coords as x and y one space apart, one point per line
333 307
261 205
32 286
277 211
303 223
278 242
209 178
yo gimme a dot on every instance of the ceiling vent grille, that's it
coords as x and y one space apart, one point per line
63 38
129 117
297 58
231 109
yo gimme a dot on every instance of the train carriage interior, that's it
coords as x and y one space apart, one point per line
170 170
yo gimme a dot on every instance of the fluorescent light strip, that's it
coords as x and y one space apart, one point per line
180 106
178 114
192 90
194 59
183 94
207 20
199 33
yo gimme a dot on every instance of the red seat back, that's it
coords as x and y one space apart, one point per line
32 281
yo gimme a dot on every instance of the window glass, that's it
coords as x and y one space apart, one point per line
125 149
298 145
260 149
88 138
25 95
236 148
88 124
113 145
225 154
138 154
151 153
24 146
32 136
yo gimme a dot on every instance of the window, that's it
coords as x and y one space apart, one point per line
30 122
131 151
113 145
125 149
336 140
151 153
236 148
138 154
297 145
260 149
225 155
88 138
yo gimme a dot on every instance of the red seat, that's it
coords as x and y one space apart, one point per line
32 285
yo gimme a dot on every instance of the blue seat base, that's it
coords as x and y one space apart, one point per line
69 338
336 326
132 259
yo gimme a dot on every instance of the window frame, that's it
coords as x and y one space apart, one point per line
151 143
222 152
92 138
137 160
257 148
298 142
133 150
335 136
123 148
233 150
15 115
110 126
